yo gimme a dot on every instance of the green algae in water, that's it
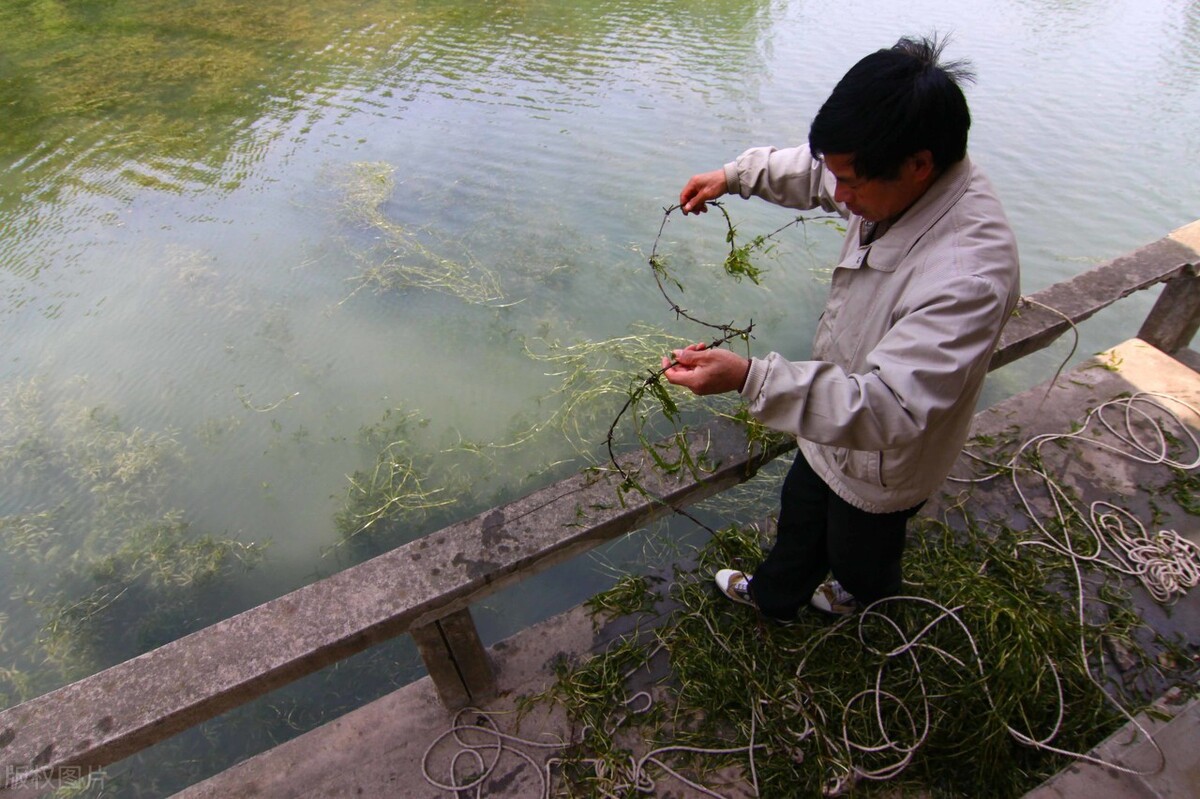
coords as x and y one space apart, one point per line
170 85
405 258
101 567
388 502
594 376
411 483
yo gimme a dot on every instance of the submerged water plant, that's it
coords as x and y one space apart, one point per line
99 564
404 258
393 490
592 374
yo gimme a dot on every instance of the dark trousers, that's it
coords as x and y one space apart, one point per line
819 533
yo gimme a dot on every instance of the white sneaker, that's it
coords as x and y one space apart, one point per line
735 585
830 597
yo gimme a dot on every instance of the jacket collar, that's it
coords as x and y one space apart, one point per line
887 251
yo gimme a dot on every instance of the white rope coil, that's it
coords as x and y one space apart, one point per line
1166 563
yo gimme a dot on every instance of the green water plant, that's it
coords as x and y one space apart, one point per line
650 396
155 572
393 485
632 594
405 258
99 564
592 374
389 501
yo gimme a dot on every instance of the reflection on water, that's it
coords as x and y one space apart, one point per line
284 285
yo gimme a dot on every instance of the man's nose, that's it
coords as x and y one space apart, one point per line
842 194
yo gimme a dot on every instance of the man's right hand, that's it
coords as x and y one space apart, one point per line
700 189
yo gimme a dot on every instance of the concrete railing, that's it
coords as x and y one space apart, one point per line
425 587
1170 325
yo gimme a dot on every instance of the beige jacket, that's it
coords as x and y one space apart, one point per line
903 345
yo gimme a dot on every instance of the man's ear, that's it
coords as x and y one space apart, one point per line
922 166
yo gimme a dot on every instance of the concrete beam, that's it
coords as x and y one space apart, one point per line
1035 327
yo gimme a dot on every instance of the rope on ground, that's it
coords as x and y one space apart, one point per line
620 780
494 741
1166 563
919 724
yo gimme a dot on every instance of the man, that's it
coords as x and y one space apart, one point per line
926 279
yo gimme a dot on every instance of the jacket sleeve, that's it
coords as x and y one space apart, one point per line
790 177
916 373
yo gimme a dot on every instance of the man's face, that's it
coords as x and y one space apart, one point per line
877 199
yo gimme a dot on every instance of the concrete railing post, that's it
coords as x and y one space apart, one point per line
1175 318
456 660
1173 321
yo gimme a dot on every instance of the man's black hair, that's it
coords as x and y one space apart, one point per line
894 103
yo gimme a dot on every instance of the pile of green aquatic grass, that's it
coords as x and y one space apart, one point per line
1008 661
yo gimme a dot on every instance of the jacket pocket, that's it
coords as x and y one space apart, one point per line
899 467
863 465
